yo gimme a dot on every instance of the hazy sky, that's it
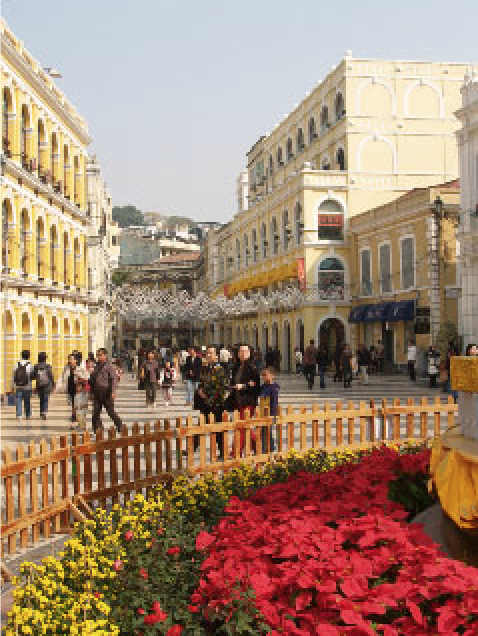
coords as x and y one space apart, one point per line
176 92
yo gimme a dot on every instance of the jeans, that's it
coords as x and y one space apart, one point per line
150 393
264 438
310 374
347 377
23 396
104 399
191 386
364 374
43 395
411 371
322 377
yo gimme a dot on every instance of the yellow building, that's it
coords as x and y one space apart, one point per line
44 220
403 259
369 132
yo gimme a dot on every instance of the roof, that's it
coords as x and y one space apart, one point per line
178 258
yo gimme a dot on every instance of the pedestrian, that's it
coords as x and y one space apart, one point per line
310 358
103 383
183 358
192 374
168 376
346 365
82 396
90 362
380 357
269 390
471 350
43 374
22 384
244 390
338 363
363 361
298 361
322 361
150 376
411 360
67 383
270 357
433 364
211 393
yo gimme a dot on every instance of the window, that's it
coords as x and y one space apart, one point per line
264 240
285 229
66 167
221 268
24 243
5 233
41 143
238 253
324 119
280 161
255 247
300 140
66 251
5 139
290 152
245 245
341 159
325 163
330 221
331 279
23 136
53 241
407 264
312 131
271 166
339 106
385 278
114 241
39 241
365 273
298 225
274 236
54 151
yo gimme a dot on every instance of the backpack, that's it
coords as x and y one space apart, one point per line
21 375
43 378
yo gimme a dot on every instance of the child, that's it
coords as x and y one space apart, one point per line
269 389
167 381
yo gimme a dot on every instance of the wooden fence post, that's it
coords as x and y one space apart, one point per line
327 425
87 468
33 492
190 443
54 483
10 503
65 516
212 441
451 414
350 425
279 430
363 422
410 418
338 425
396 421
424 418
113 465
100 461
436 417
148 457
303 430
290 430
169 450
22 499
125 464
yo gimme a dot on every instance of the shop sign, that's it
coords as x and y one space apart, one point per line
301 273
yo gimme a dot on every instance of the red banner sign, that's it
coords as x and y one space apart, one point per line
226 290
331 220
301 273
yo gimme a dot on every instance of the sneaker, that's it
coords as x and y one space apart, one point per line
43 416
166 404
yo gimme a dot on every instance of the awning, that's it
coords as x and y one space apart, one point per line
357 313
377 313
401 310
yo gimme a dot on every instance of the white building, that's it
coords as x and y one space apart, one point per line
468 147
103 257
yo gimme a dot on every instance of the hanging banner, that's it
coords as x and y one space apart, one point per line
301 273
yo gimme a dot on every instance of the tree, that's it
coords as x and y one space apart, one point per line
127 215
447 333
120 277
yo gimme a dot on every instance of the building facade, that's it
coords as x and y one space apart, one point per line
144 246
403 261
468 146
44 218
103 257
370 132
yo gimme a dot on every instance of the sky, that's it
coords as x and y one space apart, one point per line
175 93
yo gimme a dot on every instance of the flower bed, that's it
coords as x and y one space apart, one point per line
300 542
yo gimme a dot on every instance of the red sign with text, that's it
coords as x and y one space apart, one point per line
301 273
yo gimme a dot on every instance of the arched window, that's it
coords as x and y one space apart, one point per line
274 236
331 279
300 140
312 130
24 230
54 156
271 166
5 131
76 180
238 253
339 106
290 151
5 233
285 229
324 119
280 161
245 247
66 251
255 247
41 143
298 224
39 247
24 136
264 242
66 170
53 248
341 159
330 221
76 262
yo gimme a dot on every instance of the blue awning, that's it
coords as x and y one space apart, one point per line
377 312
401 310
357 313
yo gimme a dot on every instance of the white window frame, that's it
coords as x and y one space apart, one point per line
369 250
238 254
298 233
263 240
404 238
245 247
380 267
254 245
285 239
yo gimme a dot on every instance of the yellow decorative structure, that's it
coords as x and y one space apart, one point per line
464 374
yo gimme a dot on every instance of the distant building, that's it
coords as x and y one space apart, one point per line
144 245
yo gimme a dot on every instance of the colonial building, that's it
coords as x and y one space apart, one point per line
371 131
468 146
403 271
103 257
44 217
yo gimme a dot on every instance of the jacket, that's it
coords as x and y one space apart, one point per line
38 367
104 377
271 391
247 396
150 368
193 368
310 356
30 372
322 359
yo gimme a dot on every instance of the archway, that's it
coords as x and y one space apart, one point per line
7 235
66 265
42 340
8 349
246 336
40 248
275 336
255 337
26 332
76 263
77 335
55 347
55 155
300 335
66 340
54 249
287 356
264 339
24 242
331 335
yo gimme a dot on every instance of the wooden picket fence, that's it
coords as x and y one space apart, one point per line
43 491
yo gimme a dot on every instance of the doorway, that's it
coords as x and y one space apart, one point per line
287 357
387 340
331 336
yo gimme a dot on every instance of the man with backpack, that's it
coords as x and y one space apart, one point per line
43 374
22 382
103 382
